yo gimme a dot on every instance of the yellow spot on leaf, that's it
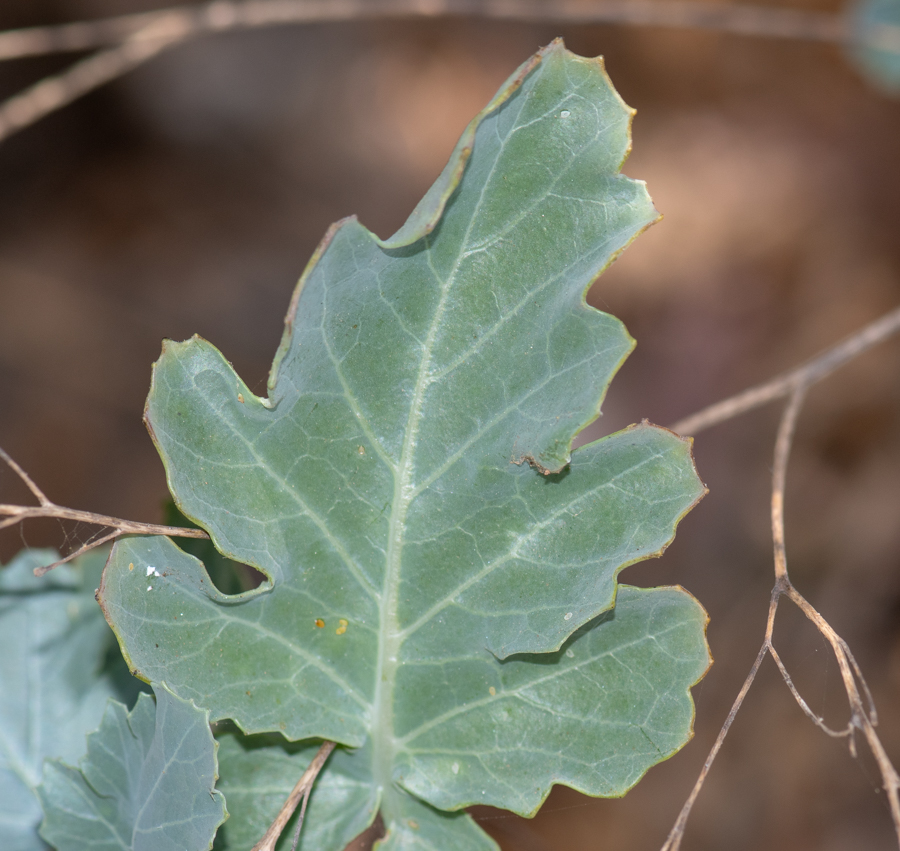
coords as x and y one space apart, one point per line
342 627
241 398
320 623
361 450
413 824
492 690
131 566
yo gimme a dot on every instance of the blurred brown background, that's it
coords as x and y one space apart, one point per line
188 197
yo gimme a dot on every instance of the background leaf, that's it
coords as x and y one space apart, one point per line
146 784
56 674
409 492
876 42
256 775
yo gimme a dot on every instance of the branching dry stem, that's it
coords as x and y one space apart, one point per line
863 717
16 514
299 793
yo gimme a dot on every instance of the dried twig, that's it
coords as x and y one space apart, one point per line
862 715
52 93
299 793
222 15
142 36
41 497
787 383
17 513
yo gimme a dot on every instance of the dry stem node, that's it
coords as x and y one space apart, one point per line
17 513
862 709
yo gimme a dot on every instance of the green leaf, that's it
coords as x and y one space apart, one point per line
409 491
256 775
147 782
875 43
228 576
54 680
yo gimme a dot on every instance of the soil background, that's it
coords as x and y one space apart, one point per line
187 198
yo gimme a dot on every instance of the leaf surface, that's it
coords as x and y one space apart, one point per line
53 685
257 773
875 44
409 491
146 784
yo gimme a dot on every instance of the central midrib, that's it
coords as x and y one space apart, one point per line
389 637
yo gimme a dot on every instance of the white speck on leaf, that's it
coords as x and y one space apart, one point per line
152 571
567 616
565 113
570 654
455 768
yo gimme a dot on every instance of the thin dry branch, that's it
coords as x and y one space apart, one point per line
673 841
785 384
140 37
862 717
299 793
765 21
783 443
29 483
52 93
15 514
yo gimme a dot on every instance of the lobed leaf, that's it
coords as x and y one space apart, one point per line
54 681
436 557
146 784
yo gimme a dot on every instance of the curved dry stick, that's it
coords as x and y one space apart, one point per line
764 21
140 37
15 514
299 793
861 717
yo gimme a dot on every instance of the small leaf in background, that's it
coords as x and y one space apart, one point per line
436 557
146 784
256 775
55 678
876 42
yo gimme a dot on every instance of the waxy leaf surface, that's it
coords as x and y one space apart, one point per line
53 681
409 492
146 784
